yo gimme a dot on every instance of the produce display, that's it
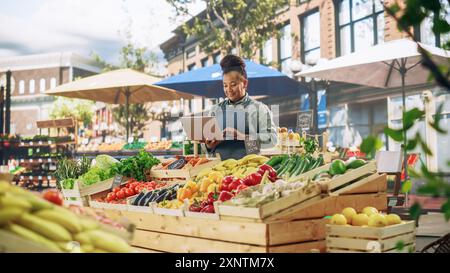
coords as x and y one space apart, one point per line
291 166
237 168
51 226
182 163
105 147
160 145
132 187
284 135
135 166
338 167
101 169
159 195
134 146
368 217
68 170
267 192
95 215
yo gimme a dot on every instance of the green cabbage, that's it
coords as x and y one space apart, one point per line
104 162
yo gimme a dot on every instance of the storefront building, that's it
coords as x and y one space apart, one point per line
32 76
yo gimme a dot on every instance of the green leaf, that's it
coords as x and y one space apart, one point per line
411 145
394 8
432 5
424 146
370 145
400 245
446 210
415 211
396 135
407 185
437 119
411 116
440 26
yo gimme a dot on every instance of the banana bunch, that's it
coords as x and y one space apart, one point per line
238 168
54 227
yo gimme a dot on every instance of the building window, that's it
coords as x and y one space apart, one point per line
42 85
360 24
425 34
216 58
190 52
32 85
52 83
311 37
204 62
22 87
285 50
191 67
266 52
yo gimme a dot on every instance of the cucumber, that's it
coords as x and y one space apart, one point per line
305 166
287 167
283 164
294 165
274 160
298 167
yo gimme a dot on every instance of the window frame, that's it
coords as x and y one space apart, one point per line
31 87
281 60
204 62
302 33
42 81
22 87
417 35
374 15
191 66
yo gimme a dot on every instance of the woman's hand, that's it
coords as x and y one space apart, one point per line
211 144
234 133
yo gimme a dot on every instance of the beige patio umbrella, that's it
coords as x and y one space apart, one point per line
123 86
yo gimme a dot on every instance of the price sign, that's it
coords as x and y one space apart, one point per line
304 120
31 142
178 164
40 159
31 160
39 177
130 139
40 142
49 160
252 146
117 181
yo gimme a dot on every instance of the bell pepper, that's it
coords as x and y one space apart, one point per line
212 196
195 208
235 184
212 188
183 194
205 184
226 181
272 173
252 179
225 195
208 209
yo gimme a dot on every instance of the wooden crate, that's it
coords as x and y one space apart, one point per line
182 174
74 197
342 181
299 228
370 239
272 207
183 234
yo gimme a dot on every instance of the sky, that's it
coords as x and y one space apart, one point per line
85 26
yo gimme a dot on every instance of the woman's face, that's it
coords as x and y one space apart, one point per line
234 85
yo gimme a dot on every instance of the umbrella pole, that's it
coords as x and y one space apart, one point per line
127 112
402 71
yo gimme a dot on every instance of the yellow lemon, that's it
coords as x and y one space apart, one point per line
349 213
360 219
338 219
369 211
393 219
377 220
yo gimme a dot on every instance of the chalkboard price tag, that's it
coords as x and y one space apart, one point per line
304 120
117 181
178 164
252 146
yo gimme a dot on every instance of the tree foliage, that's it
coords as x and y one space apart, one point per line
243 25
81 110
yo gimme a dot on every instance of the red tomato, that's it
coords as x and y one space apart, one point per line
116 189
129 192
153 184
53 196
120 194
111 196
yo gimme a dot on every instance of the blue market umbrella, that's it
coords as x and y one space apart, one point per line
207 82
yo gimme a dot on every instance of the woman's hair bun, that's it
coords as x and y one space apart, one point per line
233 63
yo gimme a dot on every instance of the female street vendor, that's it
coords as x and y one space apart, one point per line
239 116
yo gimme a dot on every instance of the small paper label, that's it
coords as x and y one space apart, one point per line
252 146
117 181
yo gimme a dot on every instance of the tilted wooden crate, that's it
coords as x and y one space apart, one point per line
371 239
